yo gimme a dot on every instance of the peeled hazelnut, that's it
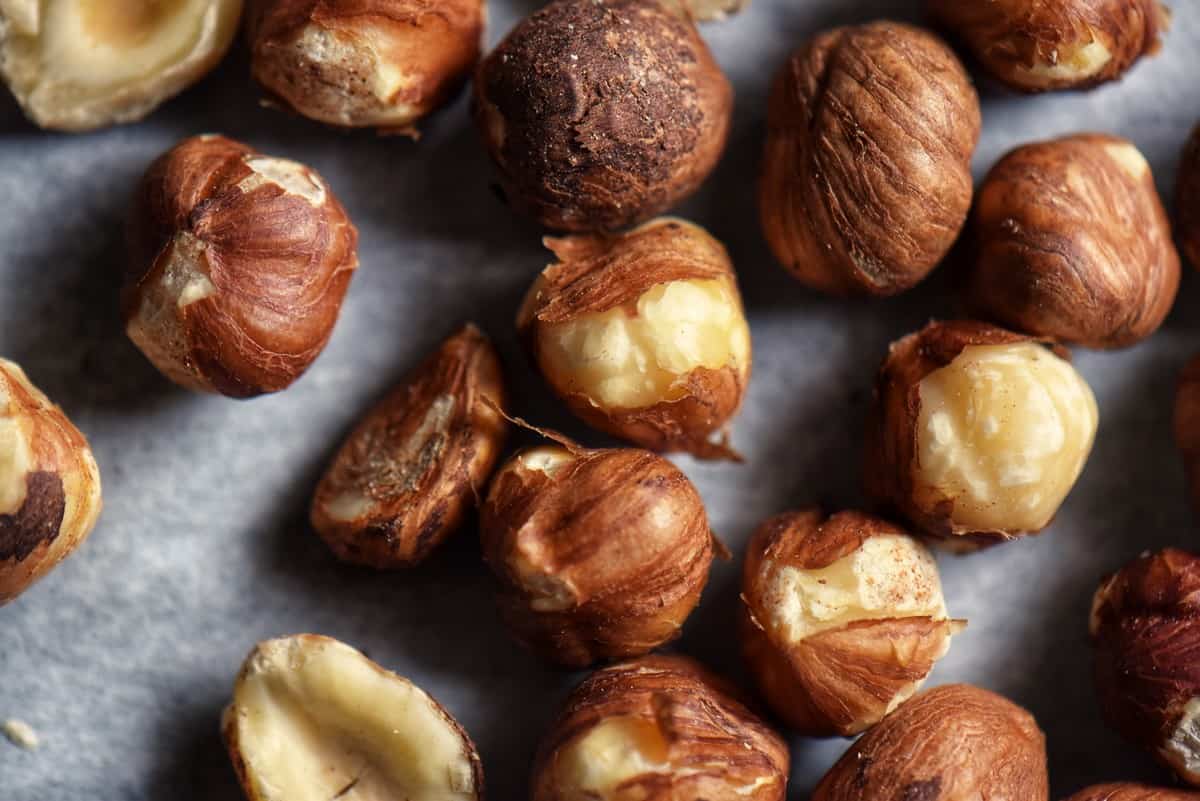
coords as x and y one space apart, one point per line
843 618
600 114
866 178
1127 791
977 434
312 719
1187 198
238 265
1072 242
84 64
364 63
600 554
659 728
643 334
49 484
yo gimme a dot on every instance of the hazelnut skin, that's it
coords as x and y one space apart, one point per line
1072 242
866 178
600 114
238 266
1187 198
414 466
659 728
1127 791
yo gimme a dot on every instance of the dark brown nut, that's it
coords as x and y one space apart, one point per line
643 334
49 484
1187 424
866 177
977 434
952 742
364 63
1187 198
238 265
1127 791
1072 242
600 554
600 114
412 469
842 619
1035 46
659 728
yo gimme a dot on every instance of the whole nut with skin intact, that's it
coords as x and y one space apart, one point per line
238 265
415 465
1127 791
643 334
866 178
1187 198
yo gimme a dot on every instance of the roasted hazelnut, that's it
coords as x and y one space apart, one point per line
643 334
977 434
1187 198
600 114
84 64
364 63
238 265
600 554
1072 242
842 619
1127 791
312 719
951 742
659 728
49 484
866 176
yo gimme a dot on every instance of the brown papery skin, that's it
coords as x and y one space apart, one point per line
951 743
1187 424
600 114
421 456
1187 199
1070 245
866 174
710 733
1127 791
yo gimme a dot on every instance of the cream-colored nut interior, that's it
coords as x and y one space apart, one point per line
290 176
1003 432
1129 158
1076 62
548 459
1182 750
16 456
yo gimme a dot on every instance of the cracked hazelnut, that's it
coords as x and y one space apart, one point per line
84 64
600 114
866 177
1187 198
238 265
1072 242
643 334
312 719
842 618
951 742
977 434
49 484
1127 791
659 728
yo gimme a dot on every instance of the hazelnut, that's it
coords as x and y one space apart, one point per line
1187 198
977 434
712 10
411 470
659 728
381 64
600 114
1187 424
49 484
643 334
1072 242
866 177
843 618
74 66
312 719
238 265
951 742
1034 46
1127 791
600 554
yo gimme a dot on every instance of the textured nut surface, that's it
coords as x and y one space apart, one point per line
1127 791
1072 242
238 265
866 176
659 728
313 719
1187 199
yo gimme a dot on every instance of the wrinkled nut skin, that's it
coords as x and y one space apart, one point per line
715 746
600 114
235 278
49 484
415 465
1127 791
949 743
866 176
1071 241
1187 198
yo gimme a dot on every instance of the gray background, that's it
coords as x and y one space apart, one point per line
123 657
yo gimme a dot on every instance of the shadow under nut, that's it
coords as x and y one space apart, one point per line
1187 199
